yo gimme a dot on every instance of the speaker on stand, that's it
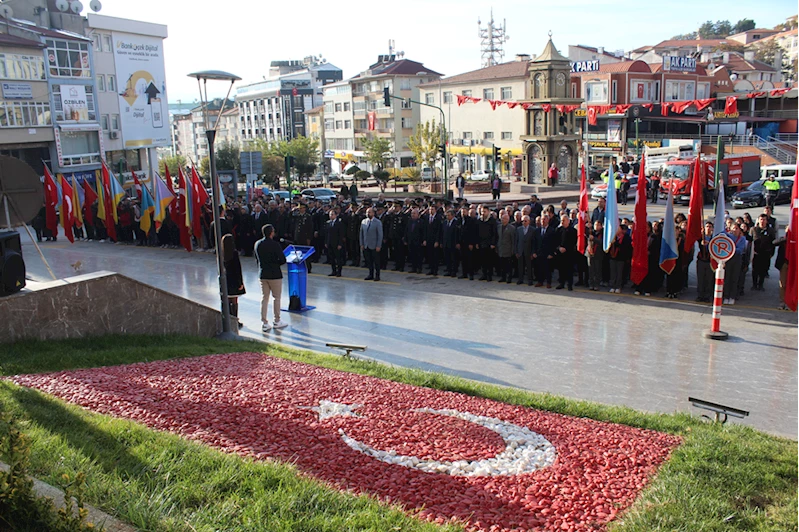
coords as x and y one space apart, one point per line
12 267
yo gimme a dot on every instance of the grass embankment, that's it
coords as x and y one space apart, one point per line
721 478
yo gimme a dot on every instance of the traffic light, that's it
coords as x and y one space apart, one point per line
497 156
442 150
386 97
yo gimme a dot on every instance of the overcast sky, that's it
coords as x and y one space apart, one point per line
243 36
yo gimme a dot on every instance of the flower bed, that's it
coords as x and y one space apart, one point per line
444 455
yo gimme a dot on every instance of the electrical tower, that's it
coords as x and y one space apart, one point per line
492 38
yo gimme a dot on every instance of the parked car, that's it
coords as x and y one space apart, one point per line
601 190
482 175
593 173
754 195
322 194
285 194
428 174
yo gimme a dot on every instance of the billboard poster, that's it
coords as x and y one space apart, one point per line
614 130
74 103
143 104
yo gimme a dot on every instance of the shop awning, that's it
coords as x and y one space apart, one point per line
482 150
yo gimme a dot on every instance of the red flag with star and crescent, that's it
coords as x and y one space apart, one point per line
792 250
639 267
67 213
582 212
50 202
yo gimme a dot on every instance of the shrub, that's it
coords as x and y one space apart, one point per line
20 508
362 174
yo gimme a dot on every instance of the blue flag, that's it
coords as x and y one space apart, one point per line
718 223
668 248
611 212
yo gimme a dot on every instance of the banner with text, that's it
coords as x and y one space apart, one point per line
142 90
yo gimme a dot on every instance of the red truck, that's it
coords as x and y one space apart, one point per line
737 171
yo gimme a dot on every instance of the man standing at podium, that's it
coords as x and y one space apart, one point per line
371 239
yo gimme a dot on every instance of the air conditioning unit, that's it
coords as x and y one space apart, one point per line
113 134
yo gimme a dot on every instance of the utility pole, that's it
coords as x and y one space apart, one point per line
637 142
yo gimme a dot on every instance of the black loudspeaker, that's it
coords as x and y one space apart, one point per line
12 267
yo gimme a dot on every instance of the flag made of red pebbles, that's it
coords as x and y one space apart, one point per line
444 456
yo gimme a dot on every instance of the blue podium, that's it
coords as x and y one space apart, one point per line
298 275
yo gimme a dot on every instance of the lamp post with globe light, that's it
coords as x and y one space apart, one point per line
210 133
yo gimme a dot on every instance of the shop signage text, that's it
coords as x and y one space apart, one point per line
585 66
679 64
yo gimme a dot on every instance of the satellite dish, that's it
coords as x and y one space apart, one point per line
24 189
6 11
95 5
76 7
62 5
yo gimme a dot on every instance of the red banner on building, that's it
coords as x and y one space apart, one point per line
371 117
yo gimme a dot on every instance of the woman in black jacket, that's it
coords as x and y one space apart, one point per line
235 282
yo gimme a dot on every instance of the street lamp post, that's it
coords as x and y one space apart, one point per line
210 133
637 143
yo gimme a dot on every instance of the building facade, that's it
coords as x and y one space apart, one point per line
355 110
475 128
274 109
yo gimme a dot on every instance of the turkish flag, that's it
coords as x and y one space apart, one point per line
511 105
664 109
371 117
67 209
648 106
695 214
640 88
731 105
581 212
294 91
90 196
792 250
680 107
640 263
546 107
494 104
137 184
703 104
461 99
527 106
199 198
778 92
592 115
621 109
50 202
179 214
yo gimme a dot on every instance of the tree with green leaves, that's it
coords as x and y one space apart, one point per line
745 24
305 151
424 143
685 36
715 30
377 151
227 157
173 162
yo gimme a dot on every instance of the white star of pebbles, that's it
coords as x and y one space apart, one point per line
328 409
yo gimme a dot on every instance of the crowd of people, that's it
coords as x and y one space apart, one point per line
523 242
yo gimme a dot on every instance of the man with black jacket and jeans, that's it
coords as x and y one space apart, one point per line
566 238
467 240
269 256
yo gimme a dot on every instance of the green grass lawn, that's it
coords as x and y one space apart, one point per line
721 478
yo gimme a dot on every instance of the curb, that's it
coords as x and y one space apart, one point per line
99 518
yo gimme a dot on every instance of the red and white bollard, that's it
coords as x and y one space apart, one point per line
715 332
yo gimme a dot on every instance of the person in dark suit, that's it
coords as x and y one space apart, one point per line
414 236
259 219
468 240
543 248
335 237
486 243
432 240
566 248
524 250
450 239
303 228
396 232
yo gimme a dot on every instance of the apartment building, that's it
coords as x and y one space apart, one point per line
475 128
355 110
274 109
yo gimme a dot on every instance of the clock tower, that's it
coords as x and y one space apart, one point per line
550 134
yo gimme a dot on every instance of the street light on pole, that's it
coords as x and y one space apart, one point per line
637 142
210 133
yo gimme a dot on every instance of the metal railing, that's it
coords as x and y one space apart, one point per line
783 153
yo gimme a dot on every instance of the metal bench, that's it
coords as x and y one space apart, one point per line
347 348
718 409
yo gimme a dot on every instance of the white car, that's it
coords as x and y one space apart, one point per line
482 175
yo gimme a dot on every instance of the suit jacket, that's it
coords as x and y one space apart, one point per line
414 233
524 243
259 220
566 237
506 240
432 230
544 242
468 231
371 233
335 233
486 232
450 234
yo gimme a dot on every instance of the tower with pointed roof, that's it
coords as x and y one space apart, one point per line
550 135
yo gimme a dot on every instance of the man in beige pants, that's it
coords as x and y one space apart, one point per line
270 258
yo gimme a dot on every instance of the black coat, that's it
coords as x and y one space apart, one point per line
487 232
468 231
414 233
450 234
566 237
269 256
235 281
335 233
544 245
432 230
303 228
